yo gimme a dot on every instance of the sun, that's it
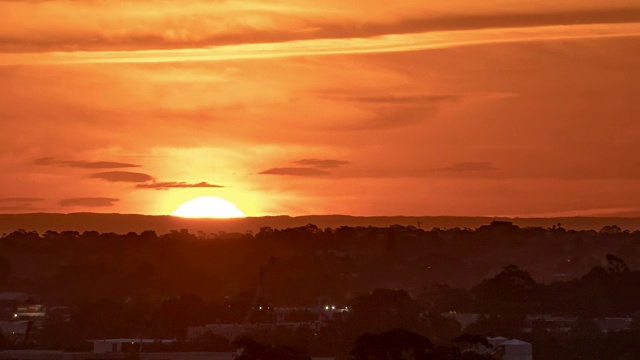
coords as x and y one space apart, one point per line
208 207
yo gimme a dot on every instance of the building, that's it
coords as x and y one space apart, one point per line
497 347
15 330
510 349
516 350
231 331
61 355
34 311
548 323
312 317
106 346
614 324
10 301
564 324
464 319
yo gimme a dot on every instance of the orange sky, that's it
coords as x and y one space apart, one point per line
321 107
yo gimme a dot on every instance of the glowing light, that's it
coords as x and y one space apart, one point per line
208 207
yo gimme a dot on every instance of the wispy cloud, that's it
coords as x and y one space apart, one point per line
308 167
331 46
25 208
595 212
467 167
165 185
83 164
294 171
321 163
394 110
20 204
123 176
146 181
20 200
89 202
127 25
422 99
385 116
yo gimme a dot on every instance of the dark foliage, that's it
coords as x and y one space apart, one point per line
394 344
145 285
253 350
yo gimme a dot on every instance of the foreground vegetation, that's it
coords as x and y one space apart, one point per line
144 285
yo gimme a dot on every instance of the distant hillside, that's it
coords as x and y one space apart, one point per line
123 223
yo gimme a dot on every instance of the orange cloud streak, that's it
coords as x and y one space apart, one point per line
376 44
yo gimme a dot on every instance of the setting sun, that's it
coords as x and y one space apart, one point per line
208 207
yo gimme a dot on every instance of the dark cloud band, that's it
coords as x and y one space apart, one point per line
21 200
165 185
294 172
321 163
89 202
83 164
123 176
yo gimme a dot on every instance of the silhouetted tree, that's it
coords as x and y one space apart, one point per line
611 229
5 271
175 315
511 292
396 344
210 342
383 310
616 265
253 350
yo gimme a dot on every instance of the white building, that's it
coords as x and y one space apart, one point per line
511 349
517 350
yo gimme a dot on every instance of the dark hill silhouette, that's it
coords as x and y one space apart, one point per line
122 223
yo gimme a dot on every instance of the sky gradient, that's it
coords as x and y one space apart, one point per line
319 107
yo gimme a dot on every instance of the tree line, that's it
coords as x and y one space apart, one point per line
145 285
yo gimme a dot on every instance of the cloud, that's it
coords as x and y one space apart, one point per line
407 99
498 19
396 116
310 167
20 200
384 43
122 176
19 204
89 201
468 167
321 163
127 26
44 161
292 171
98 164
83 164
165 185
17 208
401 110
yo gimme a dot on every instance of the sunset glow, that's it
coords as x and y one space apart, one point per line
208 207
306 107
